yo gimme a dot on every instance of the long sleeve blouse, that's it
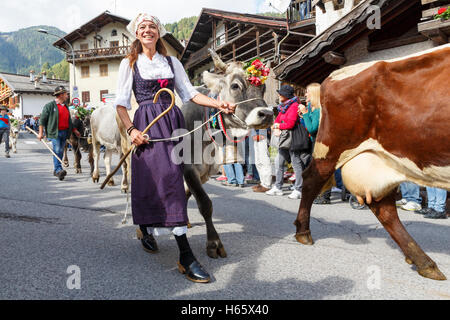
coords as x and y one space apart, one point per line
157 68
312 120
287 120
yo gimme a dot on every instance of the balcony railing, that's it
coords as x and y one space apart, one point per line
301 10
99 53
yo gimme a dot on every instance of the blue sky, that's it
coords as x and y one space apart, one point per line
70 14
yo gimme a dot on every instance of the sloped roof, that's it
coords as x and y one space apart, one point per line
102 20
22 84
314 49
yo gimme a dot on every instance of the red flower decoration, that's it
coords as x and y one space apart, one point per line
442 10
258 64
163 83
255 81
265 72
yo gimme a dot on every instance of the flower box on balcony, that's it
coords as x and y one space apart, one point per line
437 30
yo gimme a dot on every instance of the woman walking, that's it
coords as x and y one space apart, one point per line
159 204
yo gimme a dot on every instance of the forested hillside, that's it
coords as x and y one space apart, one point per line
26 49
182 29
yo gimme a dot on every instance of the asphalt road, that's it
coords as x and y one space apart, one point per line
47 226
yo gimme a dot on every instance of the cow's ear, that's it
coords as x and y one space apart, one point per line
214 82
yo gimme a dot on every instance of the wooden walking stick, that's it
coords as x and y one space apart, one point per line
125 156
37 135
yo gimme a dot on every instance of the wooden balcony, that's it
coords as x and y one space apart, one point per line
98 54
5 94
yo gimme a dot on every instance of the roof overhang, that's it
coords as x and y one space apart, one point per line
95 24
308 65
203 29
99 22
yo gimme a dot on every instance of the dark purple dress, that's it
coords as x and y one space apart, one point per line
158 197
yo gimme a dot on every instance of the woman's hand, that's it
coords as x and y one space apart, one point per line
227 107
302 110
137 138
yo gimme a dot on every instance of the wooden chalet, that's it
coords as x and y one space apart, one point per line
407 27
242 37
118 41
27 95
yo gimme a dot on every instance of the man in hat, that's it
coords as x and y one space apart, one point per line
4 128
55 118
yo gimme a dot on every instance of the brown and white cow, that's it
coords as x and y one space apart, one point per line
384 123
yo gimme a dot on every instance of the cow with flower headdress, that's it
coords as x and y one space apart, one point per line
235 82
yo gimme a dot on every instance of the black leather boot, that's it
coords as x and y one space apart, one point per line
188 265
148 241
195 272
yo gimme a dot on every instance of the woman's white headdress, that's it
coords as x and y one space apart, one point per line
141 17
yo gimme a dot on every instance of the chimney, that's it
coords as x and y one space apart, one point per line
32 76
36 82
44 77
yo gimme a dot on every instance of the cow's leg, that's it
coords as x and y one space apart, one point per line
65 159
214 246
314 177
13 141
76 151
125 178
386 212
96 155
91 158
108 157
124 147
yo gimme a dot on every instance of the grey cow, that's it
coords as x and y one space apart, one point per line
231 85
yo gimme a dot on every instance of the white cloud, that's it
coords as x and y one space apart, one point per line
70 14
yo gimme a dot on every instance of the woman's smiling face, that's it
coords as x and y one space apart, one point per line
148 34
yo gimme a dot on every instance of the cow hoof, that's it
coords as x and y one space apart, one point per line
111 183
78 171
95 180
189 225
305 239
432 273
66 164
215 250
124 191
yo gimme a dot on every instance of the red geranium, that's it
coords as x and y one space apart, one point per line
265 72
255 81
442 10
258 64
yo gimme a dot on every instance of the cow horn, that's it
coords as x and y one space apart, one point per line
218 63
